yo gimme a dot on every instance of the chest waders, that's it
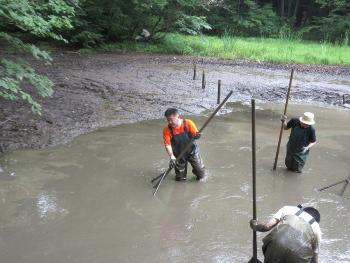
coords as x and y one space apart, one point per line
290 241
295 158
178 143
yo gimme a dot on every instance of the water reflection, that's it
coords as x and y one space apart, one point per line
47 206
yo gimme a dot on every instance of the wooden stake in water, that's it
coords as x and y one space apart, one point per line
219 91
203 80
194 71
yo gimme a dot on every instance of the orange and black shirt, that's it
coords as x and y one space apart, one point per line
190 127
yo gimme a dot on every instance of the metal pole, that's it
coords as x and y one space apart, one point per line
219 91
345 181
331 185
344 187
254 179
282 125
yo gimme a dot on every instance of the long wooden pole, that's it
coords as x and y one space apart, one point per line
162 176
282 125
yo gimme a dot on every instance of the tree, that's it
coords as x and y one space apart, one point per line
244 18
119 20
18 20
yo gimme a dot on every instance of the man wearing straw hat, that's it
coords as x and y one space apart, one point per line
302 138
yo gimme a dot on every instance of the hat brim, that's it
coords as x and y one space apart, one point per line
306 122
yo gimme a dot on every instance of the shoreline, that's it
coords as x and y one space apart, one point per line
107 89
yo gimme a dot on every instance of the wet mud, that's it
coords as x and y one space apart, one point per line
100 90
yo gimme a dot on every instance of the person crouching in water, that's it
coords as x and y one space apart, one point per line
302 138
295 237
176 135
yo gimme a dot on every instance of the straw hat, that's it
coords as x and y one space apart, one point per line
308 118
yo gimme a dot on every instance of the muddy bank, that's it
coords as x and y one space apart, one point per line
100 90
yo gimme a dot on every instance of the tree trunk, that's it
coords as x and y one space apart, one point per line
296 8
239 6
282 8
289 8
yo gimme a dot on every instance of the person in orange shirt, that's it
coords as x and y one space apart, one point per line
176 135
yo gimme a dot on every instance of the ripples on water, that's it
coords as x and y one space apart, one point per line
113 217
47 206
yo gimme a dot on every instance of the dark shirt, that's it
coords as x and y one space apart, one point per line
310 134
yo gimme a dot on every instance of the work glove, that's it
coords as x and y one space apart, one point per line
283 118
172 161
197 136
305 149
253 224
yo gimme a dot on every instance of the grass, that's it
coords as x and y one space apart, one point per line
255 49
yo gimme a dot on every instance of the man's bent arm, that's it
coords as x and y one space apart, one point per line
310 145
263 226
285 127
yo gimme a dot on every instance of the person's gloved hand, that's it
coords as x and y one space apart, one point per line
172 161
197 136
253 224
283 118
305 149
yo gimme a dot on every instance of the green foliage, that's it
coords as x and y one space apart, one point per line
87 39
256 49
15 73
335 26
41 19
261 21
18 45
246 18
118 20
192 25
331 3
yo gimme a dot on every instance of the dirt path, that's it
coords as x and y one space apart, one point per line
101 90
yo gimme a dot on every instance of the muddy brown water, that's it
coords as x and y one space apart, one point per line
91 199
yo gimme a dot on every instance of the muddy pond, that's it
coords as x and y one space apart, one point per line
91 200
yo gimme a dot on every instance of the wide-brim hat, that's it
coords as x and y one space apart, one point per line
308 118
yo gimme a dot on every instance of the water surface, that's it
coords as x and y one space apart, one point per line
91 200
